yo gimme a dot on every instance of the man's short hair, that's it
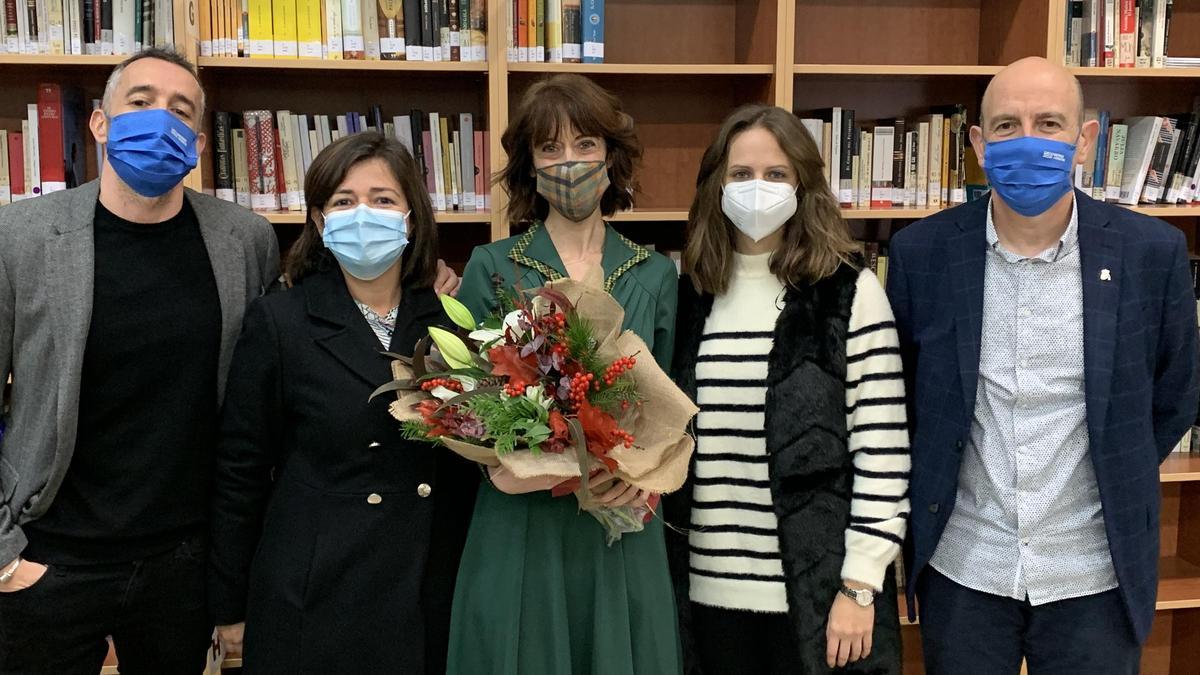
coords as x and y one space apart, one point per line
162 54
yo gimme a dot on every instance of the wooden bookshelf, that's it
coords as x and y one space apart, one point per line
645 68
444 217
895 70
58 60
1173 73
325 64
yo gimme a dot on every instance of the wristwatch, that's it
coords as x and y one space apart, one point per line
863 597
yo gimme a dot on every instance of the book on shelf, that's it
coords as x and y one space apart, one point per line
260 157
372 30
43 151
919 163
85 27
555 31
1117 33
1148 159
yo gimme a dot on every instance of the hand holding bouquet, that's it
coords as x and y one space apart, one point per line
551 386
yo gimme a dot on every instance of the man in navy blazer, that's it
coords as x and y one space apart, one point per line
1050 352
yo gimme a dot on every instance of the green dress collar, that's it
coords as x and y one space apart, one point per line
536 250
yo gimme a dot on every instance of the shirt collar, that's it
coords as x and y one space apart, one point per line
1066 243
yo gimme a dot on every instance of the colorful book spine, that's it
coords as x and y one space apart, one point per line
308 28
455 29
241 174
593 31
262 38
283 22
393 31
16 165
352 35
50 138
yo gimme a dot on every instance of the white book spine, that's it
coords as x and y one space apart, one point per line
1158 54
122 11
33 153
922 196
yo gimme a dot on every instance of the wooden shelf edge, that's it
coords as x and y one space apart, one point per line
297 218
1178 584
1136 72
1180 467
886 69
651 215
59 60
898 212
326 64
645 68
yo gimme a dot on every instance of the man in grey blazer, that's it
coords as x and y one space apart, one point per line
120 303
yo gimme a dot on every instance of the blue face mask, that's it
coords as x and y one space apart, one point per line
366 241
1029 173
151 150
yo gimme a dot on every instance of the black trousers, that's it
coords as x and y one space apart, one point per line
153 608
967 631
732 642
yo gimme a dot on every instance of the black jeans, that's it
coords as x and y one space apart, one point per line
153 608
967 631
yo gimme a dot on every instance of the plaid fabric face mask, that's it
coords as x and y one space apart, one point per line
573 189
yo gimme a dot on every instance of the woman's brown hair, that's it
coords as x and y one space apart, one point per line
816 240
546 108
329 169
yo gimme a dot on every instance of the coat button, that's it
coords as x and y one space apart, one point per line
959 445
374 498
933 508
374 444
423 490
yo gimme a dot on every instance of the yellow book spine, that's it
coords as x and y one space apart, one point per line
205 27
333 30
370 29
262 45
283 23
308 27
447 169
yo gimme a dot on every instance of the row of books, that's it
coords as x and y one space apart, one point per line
918 163
388 30
44 151
261 156
1118 33
556 31
82 27
1190 443
1144 160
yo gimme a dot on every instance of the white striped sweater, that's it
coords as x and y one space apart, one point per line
735 561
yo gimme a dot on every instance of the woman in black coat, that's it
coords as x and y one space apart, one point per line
335 542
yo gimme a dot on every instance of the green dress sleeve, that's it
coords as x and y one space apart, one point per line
664 317
478 292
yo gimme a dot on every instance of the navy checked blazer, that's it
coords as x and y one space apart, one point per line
1140 371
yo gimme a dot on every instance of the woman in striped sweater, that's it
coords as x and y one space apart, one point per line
797 501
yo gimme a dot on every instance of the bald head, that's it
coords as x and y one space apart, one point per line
1031 87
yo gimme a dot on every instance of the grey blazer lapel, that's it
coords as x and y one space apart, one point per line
228 259
70 278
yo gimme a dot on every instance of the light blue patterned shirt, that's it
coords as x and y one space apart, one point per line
1028 522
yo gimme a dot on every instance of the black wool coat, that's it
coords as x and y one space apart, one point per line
810 468
335 539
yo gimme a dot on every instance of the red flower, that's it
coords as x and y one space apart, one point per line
507 362
560 436
601 432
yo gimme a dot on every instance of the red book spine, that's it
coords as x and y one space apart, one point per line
16 163
10 19
487 171
50 138
97 18
253 170
267 152
1127 20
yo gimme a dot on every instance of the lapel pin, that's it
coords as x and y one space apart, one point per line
1105 275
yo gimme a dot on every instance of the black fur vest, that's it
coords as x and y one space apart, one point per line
809 464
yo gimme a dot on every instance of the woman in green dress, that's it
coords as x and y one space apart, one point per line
539 592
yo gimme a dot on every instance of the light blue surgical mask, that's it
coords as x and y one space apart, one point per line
151 150
1029 173
366 241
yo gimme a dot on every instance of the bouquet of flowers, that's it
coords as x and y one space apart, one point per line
550 386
